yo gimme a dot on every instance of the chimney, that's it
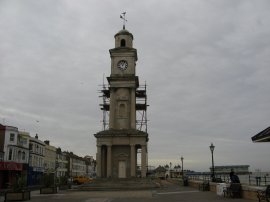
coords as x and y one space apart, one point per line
47 142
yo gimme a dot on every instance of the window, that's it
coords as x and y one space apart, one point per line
19 155
31 147
11 137
10 154
23 155
23 141
30 160
2 156
35 161
39 162
123 43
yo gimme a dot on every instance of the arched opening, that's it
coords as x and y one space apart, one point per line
10 154
23 155
19 155
123 42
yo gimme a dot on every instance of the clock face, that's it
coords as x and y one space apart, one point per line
122 64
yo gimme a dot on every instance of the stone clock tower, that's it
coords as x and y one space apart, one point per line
118 146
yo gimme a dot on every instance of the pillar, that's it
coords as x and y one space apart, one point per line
143 161
98 160
109 160
133 109
112 109
132 161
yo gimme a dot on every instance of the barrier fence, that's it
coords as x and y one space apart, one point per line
262 180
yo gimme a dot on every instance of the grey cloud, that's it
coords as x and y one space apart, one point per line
205 64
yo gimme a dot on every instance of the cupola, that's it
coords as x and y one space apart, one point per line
123 39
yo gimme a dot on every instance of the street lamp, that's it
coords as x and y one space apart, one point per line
182 159
212 147
170 169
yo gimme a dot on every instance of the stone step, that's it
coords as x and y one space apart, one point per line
119 184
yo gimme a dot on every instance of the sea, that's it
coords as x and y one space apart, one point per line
256 178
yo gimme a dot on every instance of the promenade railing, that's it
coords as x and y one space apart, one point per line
249 179
259 180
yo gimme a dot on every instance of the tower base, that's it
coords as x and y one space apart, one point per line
117 153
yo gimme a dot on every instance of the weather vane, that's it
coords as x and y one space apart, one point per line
123 16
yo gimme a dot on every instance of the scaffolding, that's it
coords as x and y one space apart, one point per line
141 107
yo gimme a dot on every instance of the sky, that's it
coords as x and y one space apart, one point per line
205 62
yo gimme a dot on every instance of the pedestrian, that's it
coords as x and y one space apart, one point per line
234 178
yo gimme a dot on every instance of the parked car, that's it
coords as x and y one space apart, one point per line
81 180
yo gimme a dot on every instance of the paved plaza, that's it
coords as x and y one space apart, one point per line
132 196
170 193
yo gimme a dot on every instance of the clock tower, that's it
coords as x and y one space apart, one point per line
119 145
123 82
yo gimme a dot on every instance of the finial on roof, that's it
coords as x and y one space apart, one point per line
123 16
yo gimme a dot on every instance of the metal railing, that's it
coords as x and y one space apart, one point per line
207 177
244 179
259 180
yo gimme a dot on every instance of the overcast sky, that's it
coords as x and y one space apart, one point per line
206 64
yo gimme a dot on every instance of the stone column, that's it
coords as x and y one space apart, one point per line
98 160
132 161
112 109
109 160
133 109
143 163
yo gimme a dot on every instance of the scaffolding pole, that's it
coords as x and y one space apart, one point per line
141 107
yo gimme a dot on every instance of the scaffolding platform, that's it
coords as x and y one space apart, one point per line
141 107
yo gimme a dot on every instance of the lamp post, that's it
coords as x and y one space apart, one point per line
182 159
170 169
212 147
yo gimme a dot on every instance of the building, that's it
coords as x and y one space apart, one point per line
14 155
23 151
23 147
36 161
24 156
119 145
49 158
76 165
176 172
90 166
238 169
61 163
263 136
160 172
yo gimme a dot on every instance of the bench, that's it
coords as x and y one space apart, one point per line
204 186
264 195
3 191
234 190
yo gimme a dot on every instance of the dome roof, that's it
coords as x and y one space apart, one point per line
123 32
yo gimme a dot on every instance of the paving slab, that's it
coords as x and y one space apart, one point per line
133 196
168 193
